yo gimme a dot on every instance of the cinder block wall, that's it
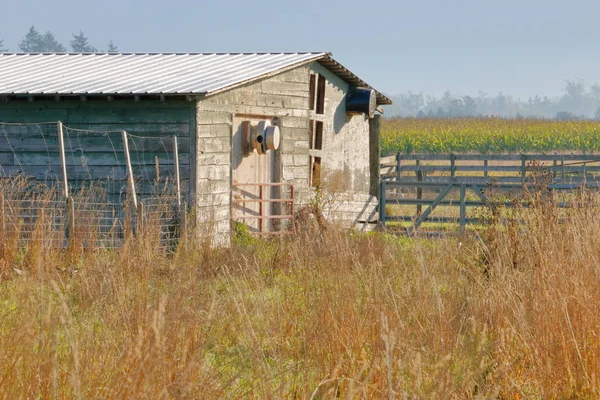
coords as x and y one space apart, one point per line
345 163
285 96
345 154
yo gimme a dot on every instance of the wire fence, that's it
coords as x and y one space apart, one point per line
64 185
88 223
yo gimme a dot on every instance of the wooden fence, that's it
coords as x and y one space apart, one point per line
449 189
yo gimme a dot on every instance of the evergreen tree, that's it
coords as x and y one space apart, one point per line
32 42
80 44
51 45
2 49
112 48
36 43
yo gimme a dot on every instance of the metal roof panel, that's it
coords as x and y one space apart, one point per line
148 73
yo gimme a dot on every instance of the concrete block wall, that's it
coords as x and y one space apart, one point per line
345 161
284 96
345 153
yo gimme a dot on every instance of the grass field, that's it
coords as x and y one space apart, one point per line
487 135
325 314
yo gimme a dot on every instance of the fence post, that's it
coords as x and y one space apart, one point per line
463 207
63 161
292 209
485 168
260 208
562 167
523 160
398 166
452 166
70 220
140 218
183 221
176 157
129 169
382 203
2 227
419 188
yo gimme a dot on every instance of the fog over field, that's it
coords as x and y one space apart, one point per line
579 100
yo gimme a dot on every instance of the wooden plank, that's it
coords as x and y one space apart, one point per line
498 168
494 157
124 115
431 207
144 129
32 115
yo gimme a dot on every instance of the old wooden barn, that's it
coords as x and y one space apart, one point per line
258 135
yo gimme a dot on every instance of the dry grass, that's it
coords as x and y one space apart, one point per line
325 314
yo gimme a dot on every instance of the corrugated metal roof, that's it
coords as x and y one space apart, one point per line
148 73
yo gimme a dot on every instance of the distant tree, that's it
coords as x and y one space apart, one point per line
80 44
597 115
2 49
112 48
34 42
50 44
566 116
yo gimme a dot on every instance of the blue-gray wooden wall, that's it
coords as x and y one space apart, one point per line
26 149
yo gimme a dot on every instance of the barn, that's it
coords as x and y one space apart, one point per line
256 136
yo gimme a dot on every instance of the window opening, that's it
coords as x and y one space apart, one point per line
321 95
316 171
318 136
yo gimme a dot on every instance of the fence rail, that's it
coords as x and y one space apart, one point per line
445 189
481 168
268 204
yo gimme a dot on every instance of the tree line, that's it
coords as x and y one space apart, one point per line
578 101
37 42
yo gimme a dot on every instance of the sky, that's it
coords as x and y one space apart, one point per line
522 48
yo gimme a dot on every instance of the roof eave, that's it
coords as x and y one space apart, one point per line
328 62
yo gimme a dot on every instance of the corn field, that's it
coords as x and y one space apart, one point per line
487 135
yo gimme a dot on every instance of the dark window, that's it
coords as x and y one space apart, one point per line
321 95
311 134
316 171
311 92
318 136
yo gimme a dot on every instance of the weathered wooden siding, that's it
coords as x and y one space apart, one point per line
92 156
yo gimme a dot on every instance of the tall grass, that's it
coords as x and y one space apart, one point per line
323 314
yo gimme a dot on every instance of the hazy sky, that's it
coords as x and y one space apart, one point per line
521 48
